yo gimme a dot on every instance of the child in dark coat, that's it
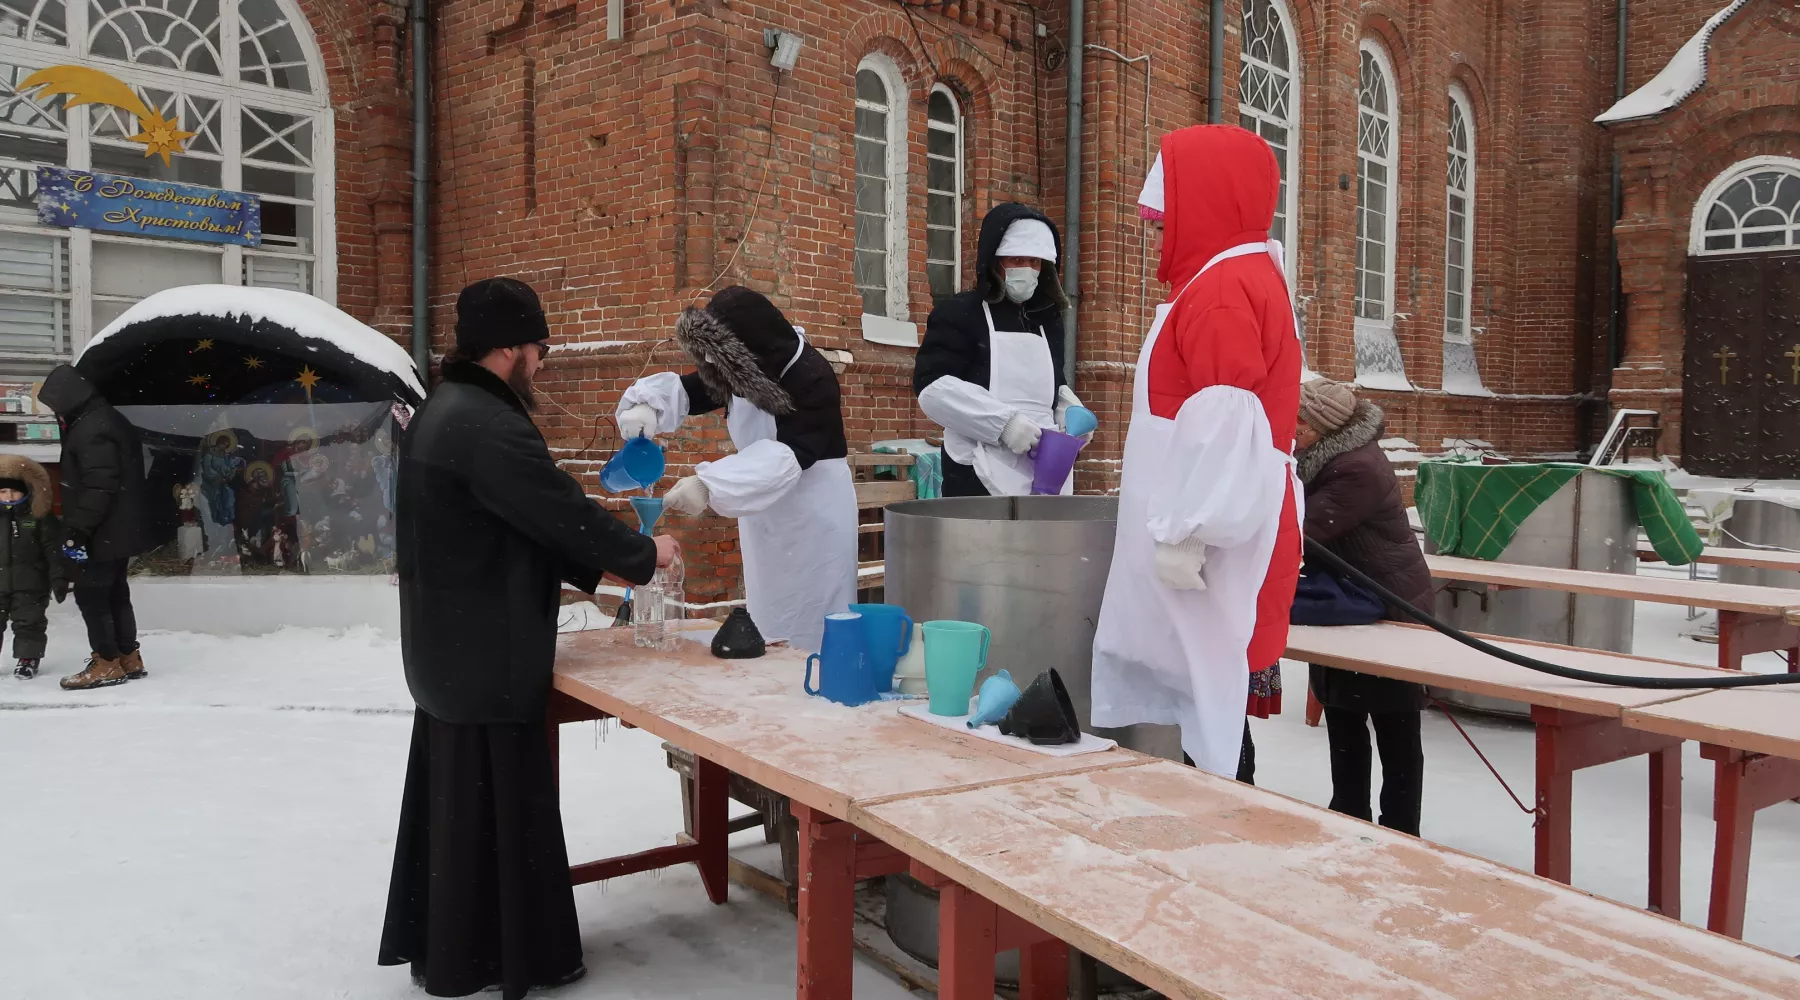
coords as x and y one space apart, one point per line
32 567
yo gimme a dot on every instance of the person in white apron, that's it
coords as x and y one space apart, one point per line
1207 547
990 367
788 484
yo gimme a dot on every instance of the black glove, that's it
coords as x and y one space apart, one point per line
61 589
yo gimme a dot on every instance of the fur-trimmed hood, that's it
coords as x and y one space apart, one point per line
35 476
1365 425
740 343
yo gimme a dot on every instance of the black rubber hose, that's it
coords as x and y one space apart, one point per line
1319 551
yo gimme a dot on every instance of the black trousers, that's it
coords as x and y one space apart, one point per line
104 597
1246 772
30 623
1402 765
480 894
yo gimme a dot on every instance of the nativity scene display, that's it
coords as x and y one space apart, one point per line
269 422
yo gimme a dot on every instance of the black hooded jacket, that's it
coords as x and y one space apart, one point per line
486 528
956 335
740 344
102 467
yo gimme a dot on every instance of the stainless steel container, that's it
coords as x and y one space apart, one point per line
1754 522
1033 569
1591 524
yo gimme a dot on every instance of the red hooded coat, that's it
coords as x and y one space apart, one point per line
1235 326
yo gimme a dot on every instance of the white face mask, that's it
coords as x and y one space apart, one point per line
1021 283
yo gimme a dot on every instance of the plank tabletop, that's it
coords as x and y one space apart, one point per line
1748 558
1774 601
1415 653
1200 887
752 717
1759 720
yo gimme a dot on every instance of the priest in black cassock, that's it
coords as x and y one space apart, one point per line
488 528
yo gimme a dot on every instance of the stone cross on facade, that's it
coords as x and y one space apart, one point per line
533 24
1724 354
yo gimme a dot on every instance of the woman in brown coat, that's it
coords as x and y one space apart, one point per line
1353 507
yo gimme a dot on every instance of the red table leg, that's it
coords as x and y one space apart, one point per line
971 931
1742 634
1314 710
1570 741
710 833
827 905
1743 784
1044 971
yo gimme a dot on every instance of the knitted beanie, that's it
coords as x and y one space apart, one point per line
1326 405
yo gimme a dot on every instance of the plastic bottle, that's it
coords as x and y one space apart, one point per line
657 606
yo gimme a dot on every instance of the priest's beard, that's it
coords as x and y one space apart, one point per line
520 382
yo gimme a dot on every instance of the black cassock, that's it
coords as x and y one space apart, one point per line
487 529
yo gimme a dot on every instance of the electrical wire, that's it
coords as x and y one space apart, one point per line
1317 550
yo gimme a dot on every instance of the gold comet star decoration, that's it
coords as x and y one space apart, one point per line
199 380
308 378
253 364
203 345
85 85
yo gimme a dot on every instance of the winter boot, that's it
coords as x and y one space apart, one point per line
26 670
737 638
98 673
133 664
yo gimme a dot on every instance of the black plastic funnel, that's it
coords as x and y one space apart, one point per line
1043 714
738 638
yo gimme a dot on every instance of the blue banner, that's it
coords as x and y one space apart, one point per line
89 200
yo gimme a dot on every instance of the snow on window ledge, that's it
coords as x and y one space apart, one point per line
893 332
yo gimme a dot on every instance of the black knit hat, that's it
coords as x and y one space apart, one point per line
495 313
15 484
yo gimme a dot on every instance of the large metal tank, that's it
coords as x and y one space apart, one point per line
1033 569
1755 521
1591 524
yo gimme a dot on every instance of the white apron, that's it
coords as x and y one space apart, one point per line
800 552
1021 375
1167 656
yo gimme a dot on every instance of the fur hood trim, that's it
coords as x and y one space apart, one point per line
726 364
1364 426
34 475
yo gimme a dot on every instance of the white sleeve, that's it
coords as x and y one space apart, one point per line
966 408
750 481
1221 478
662 392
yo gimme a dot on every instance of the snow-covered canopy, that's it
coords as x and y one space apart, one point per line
1685 74
270 318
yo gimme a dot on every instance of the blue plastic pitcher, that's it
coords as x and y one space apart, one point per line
888 629
843 663
634 468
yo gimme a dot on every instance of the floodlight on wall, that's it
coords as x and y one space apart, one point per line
784 47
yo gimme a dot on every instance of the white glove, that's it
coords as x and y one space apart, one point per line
1180 565
1020 435
1065 398
637 420
689 496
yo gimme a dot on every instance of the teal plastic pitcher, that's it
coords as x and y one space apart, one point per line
954 653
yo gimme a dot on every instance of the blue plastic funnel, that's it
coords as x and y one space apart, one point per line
998 694
1079 421
649 511
634 468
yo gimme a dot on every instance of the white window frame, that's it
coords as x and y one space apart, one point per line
1731 175
233 94
894 328
1380 364
955 128
1459 99
1290 201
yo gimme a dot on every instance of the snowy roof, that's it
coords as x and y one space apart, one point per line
1685 74
310 317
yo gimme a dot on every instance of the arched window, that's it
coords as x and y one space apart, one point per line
943 194
242 75
1269 102
1753 207
1460 371
880 268
1378 361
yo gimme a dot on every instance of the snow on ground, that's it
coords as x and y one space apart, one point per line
224 828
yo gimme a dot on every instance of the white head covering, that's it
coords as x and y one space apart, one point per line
1150 200
1028 238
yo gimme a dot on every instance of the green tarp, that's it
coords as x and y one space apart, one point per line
1473 510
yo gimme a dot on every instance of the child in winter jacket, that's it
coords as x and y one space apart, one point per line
32 567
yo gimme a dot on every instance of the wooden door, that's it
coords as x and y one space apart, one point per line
1741 377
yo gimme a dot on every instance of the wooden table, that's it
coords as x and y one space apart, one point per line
1752 736
1200 887
1751 619
1578 724
750 717
1745 558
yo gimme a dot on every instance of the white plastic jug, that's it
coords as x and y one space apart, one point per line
909 672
